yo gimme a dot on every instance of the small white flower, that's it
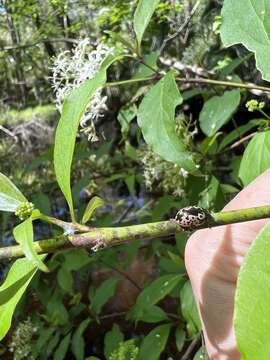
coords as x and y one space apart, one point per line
184 173
70 69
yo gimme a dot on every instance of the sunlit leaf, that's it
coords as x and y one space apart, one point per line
142 16
156 118
247 22
218 111
252 311
256 158
10 195
72 112
23 234
93 204
18 278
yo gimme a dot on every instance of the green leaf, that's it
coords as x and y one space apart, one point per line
153 314
23 234
65 279
212 197
103 293
62 349
145 71
112 340
256 158
130 182
233 65
157 122
208 143
73 109
201 354
180 338
42 202
176 259
10 195
56 311
162 207
153 293
189 94
229 189
76 259
78 343
142 16
44 336
125 116
218 110
131 152
170 267
18 278
252 311
247 22
154 343
237 133
189 310
93 204
51 345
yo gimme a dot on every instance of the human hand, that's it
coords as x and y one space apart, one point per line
213 259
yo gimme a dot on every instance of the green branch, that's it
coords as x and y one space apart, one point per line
224 83
236 216
106 237
194 80
130 81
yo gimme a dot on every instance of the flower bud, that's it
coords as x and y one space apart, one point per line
24 210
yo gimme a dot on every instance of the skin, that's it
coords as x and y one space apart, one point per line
213 259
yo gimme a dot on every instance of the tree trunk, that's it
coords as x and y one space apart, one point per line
16 54
47 44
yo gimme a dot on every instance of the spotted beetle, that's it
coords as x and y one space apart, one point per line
191 217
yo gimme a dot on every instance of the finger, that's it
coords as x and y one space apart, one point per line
213 259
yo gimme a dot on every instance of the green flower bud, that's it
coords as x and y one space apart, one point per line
253 105
24 210
261 105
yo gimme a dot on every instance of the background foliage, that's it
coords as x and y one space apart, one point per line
133 301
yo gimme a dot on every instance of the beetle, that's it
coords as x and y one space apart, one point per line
191 217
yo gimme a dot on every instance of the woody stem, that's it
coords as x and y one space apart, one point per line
107 237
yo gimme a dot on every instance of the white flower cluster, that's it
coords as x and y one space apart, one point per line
70 69
20 345
163 175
